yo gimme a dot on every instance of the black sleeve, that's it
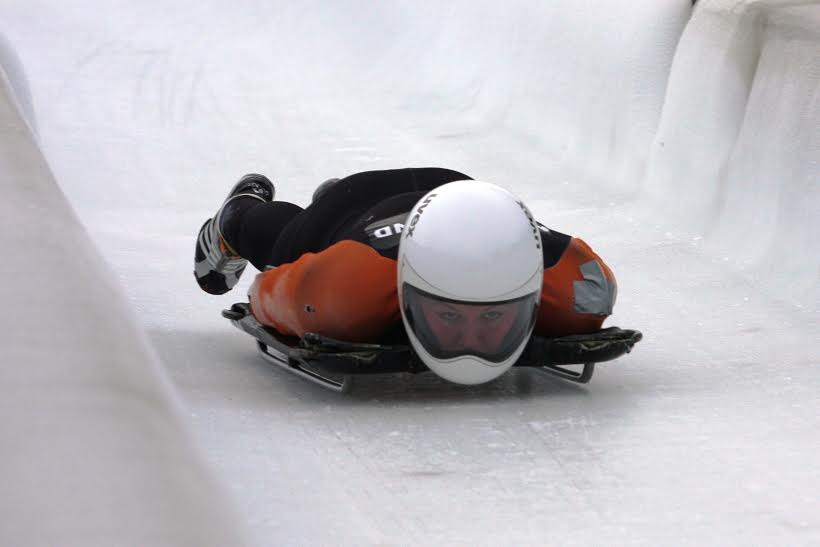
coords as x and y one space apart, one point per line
553 245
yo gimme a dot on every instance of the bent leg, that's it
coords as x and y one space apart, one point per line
260 227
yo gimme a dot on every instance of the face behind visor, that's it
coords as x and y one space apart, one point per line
448 329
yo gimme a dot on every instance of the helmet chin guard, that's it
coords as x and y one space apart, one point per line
470 271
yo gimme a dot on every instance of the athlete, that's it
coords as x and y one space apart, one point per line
458 267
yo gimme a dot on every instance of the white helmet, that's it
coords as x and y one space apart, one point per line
470 271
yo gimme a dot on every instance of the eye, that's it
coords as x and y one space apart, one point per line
492 315
449 316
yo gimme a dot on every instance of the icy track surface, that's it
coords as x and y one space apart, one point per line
707 434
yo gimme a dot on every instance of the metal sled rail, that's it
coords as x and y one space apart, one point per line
296 367
332 363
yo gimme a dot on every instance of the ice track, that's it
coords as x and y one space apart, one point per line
683 146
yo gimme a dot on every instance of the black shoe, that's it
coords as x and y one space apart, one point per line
217 266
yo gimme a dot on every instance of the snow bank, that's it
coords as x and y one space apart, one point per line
94 451
737 152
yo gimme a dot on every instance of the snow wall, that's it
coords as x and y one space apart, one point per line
736 157
94 451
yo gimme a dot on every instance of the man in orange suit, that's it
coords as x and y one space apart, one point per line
458 267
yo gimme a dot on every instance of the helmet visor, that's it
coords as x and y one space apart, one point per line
446 328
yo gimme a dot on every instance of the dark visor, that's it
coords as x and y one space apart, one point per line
452 328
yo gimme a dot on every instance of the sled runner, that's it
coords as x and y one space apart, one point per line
331 363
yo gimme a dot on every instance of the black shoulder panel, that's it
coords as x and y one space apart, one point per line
381 226
553 245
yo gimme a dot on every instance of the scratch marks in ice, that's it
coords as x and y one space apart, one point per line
159 85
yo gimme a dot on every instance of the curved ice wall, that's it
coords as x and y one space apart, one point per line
736 158
573 86
713 121
16 77
93 448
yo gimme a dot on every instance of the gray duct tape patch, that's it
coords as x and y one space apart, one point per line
595 294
